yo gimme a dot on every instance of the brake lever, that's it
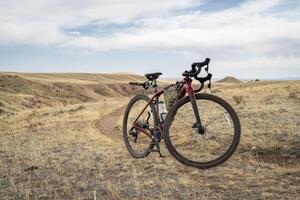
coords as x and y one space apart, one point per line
206 68
209 85
146 85
209 79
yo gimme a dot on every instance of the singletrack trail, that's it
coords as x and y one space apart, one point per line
107 125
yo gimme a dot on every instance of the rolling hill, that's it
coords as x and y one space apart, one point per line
20 91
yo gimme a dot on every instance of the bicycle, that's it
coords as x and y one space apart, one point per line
199 129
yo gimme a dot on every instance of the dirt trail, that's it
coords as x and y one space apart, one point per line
107 125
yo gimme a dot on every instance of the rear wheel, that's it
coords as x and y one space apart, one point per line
138 143
203 150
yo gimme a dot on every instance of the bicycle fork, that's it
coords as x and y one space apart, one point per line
192 97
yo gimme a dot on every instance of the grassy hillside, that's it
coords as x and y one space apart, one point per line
52 147
80 78
21 91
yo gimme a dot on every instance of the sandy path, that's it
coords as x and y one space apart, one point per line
107 125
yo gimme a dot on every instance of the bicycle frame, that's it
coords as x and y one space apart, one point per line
185 87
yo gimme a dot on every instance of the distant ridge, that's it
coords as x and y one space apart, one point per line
230 79
290 78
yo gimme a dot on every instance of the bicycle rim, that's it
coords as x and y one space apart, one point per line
137 142
220 139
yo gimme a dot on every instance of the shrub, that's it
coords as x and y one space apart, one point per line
268 99
293 95
238 99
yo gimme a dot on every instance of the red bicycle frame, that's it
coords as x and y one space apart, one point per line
185 87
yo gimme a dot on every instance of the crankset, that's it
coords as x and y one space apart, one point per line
156 138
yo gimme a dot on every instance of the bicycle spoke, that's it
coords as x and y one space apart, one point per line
139 142
195 146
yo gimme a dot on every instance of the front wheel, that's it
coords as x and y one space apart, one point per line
221 135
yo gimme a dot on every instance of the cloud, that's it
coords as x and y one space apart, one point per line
32 22
241 36
254 32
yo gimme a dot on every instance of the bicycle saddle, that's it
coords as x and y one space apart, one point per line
153 76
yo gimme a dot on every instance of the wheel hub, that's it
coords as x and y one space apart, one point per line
201 129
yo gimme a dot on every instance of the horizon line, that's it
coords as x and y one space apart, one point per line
174 78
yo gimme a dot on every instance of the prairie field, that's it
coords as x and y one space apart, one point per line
61 139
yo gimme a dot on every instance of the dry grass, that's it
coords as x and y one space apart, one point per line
55 151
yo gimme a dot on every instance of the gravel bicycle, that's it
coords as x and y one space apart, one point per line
199 129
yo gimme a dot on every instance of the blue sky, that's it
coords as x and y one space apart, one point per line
246 38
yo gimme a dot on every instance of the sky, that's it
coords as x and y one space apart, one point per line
243 38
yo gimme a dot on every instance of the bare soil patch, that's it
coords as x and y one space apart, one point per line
107 125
